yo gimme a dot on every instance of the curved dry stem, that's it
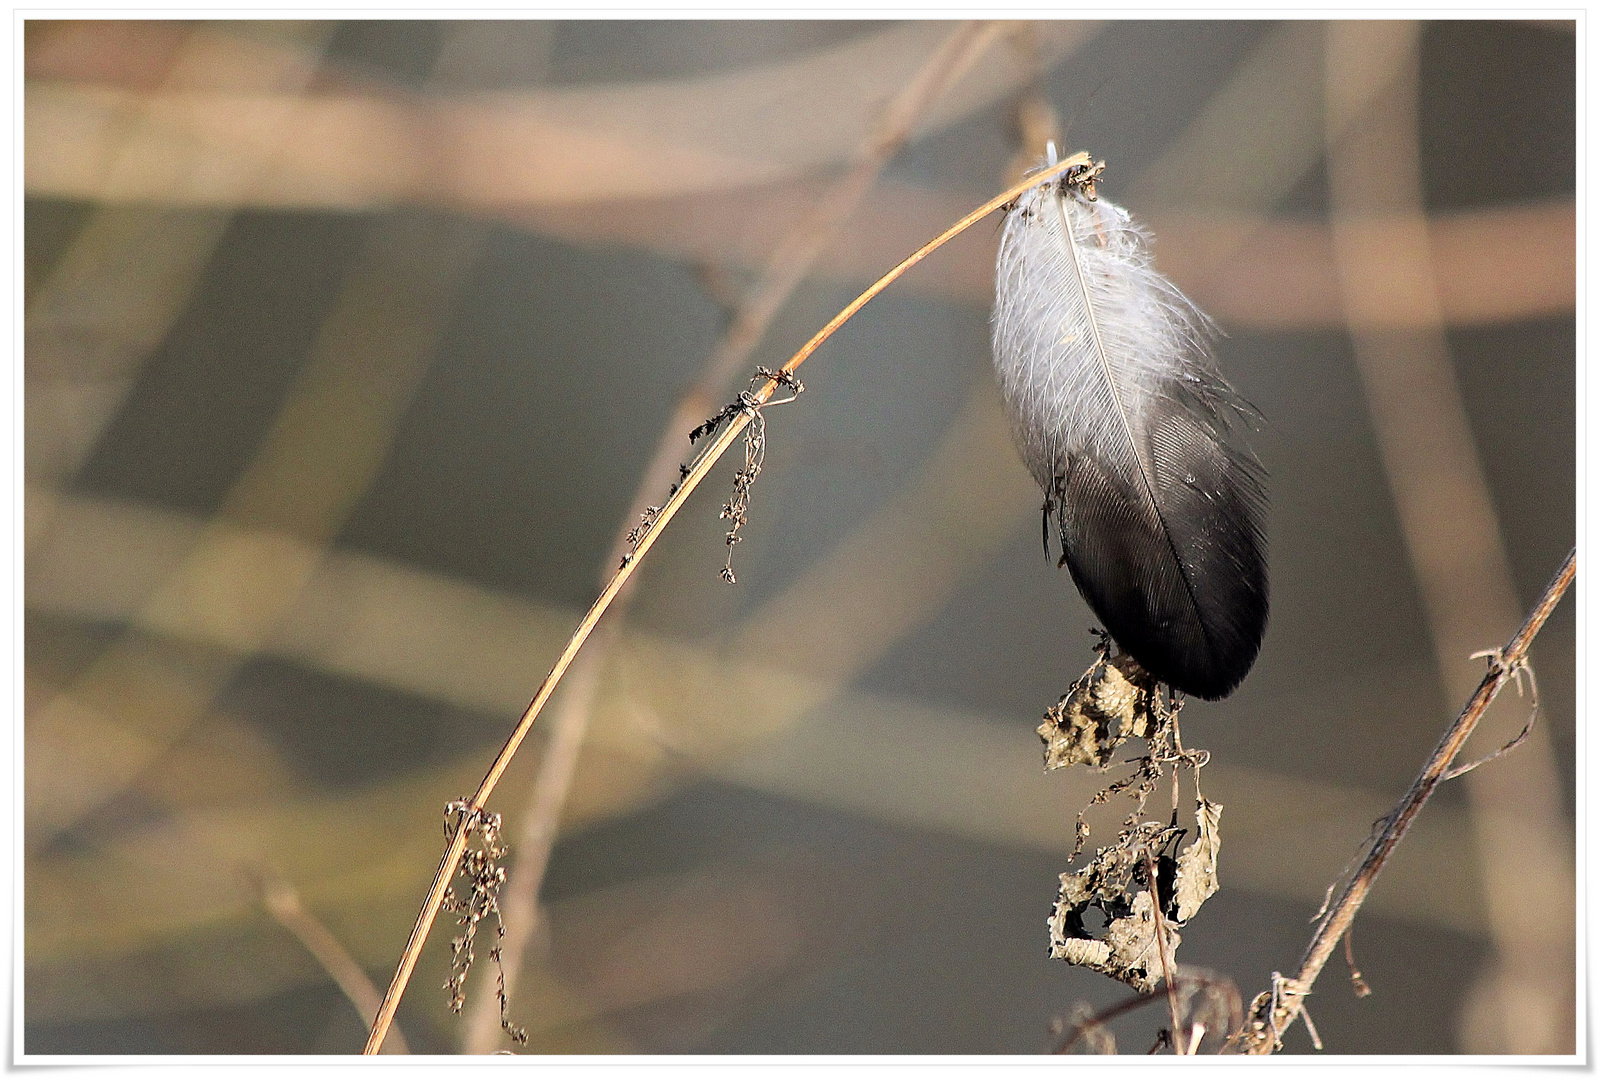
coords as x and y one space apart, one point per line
1272 1014
1161 948
719 444
750 318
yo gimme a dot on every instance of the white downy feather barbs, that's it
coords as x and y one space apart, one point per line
1122 416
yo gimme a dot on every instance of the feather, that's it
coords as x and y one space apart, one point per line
1120 413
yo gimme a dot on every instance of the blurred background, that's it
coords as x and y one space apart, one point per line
352 347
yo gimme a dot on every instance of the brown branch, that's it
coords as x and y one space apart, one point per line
1272 1014
1127 1005
719 444
282 901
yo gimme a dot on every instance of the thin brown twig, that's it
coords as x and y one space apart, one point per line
749 318
1128 1005
1260 1034
1517 740
1176 1040
521 914
1359 985
282 901
718 445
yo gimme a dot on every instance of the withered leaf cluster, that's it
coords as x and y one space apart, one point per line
1197 870
1118 914
481 868
1117 885
1128 949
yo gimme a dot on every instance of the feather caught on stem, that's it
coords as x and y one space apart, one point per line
1124 420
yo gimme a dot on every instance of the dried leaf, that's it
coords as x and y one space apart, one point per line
1197 870
1134 946
1083 952
1111 702
1127 950
1107 705
1128 953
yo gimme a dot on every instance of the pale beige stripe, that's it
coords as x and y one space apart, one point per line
364 151
248 565
129 271
678 708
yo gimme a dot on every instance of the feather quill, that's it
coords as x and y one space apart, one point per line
1120 412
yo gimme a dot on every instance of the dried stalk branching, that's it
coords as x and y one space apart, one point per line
1141 886
755 451
1273 1011
480 865
283 903
714 450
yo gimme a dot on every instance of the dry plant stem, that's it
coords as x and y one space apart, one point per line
1337 922
797 252
1105 1016
800 247
1161 943
283 903
520 911
1128 1005
718 445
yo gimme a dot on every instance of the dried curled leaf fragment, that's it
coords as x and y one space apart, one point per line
1128 952
1110 703
1115 884
1197 870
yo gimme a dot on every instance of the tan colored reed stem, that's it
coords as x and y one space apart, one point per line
282 901
792 259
